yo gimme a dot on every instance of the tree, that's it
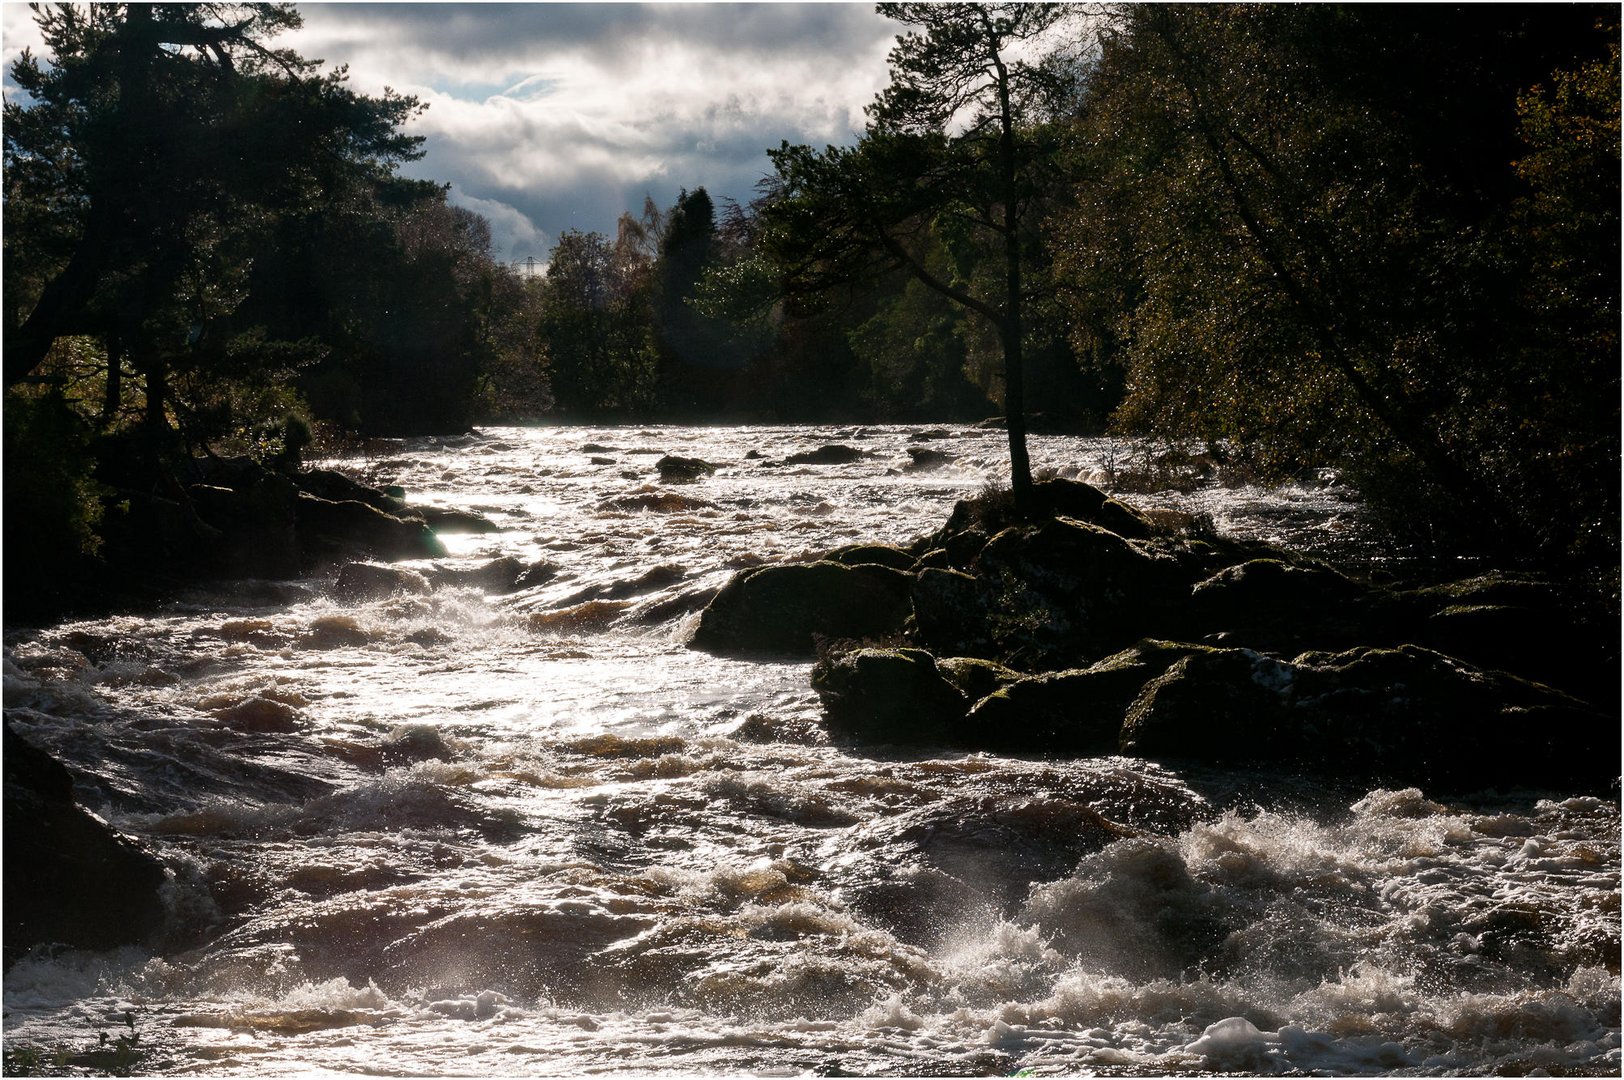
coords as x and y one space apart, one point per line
949 145
153 153
595 329
1285 252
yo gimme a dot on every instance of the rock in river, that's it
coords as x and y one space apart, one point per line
780 610
69 878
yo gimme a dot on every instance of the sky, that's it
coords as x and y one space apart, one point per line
546 117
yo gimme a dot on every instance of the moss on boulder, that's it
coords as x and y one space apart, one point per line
783 610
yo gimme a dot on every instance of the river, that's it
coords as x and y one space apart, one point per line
458 834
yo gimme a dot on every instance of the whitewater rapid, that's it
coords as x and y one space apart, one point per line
455 833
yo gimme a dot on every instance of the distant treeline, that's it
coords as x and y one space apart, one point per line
1372 237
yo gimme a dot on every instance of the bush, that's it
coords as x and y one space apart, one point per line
52 506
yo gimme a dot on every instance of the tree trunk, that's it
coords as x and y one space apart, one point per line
1020 465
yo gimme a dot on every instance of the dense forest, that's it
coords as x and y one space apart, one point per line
1380 239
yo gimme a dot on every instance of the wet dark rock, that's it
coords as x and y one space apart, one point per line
1521 625
259 715
1272 605
1077 712
924 459
335 527
975 678
950 614
782 610
929 434
601 461
365 581
70 879
658 502
1404 715
675 469
877 554
456 521
833 454
500 575
537 573
888 696
256 523
336 487
1058 594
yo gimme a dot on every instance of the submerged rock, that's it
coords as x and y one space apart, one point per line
782 610
359 581
70 879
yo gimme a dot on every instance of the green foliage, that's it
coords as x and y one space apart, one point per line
596 329
51 501
1277 248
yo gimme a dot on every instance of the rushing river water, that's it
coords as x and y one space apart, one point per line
460 834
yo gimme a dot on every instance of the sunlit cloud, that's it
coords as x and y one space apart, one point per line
546 117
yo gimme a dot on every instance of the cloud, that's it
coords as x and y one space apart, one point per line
545 117
567 114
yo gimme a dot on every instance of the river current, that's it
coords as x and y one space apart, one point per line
453 833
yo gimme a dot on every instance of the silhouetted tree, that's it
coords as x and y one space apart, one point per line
948 145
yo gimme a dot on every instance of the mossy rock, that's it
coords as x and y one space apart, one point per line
877 554
783 610
1273 605
974 677
1063 712
1404 715
888 696
328 527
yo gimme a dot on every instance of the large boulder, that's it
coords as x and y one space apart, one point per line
1075 712
255 516
783 610
1059 594
879 554
888 696
69 878
327 527
1525 626
1272 605
1405 715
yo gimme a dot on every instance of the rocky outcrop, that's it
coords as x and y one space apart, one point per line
70 879
784 610
1407 713
1063 635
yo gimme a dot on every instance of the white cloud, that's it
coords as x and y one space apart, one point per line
544 117
566 114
